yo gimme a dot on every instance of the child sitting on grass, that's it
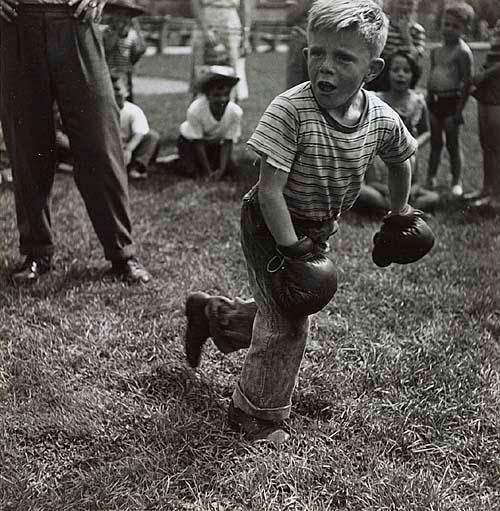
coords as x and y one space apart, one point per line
447 93
315 142
212 126
403 73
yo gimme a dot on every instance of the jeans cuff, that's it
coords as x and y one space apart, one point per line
269 414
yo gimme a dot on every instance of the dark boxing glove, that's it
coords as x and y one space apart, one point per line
403 238
303 281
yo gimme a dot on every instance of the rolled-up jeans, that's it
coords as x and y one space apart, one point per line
276 341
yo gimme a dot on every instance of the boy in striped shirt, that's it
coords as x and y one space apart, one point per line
315 142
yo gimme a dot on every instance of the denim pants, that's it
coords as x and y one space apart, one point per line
47 55
276 341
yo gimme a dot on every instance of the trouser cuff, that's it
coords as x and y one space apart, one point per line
269 414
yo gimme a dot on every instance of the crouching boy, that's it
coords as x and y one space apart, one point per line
212 126
140 143
315 142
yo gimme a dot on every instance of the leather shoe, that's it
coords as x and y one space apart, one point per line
198 329
130 271
256 430
31 269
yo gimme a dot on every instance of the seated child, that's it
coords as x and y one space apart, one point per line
212 126
5 171
124 46
140 143
315 142
403 74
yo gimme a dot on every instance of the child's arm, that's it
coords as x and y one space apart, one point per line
199 148
226 151
203 24
487 74
139 45
466 67
399 185
274 209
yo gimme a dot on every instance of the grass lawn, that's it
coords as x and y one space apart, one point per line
399 410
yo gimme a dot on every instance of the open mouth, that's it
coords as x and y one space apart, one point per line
326 87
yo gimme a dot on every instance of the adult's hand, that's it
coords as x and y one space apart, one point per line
8 9
88 10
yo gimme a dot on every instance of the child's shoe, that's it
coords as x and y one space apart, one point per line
198 329
137 171
256 430
457 190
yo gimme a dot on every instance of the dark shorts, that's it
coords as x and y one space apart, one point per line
444 106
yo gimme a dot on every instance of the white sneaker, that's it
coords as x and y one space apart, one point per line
135 174
457 190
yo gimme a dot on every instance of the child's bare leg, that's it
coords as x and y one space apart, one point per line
436 148
455 151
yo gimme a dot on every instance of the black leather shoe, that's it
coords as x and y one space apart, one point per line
130 271
198 329
31 269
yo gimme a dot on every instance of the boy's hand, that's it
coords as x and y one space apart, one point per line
8 9
88 10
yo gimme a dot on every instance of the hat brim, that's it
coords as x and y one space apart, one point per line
205 81
124 10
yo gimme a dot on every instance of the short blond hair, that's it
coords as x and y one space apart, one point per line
366 17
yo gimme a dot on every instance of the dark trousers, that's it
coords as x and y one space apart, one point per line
47 55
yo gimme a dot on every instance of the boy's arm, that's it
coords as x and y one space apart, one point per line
487 74
139 46
272 203
399 177
225 155
466 66
199 148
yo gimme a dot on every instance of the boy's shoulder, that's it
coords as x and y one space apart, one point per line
234 109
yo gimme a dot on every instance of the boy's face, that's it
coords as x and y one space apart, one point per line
400 73
218 98
453 28
402 8
338 64
120 94
120 24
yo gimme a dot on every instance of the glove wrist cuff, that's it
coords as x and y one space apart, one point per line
300 248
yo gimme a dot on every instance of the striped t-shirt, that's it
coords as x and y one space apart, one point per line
326 161
395 40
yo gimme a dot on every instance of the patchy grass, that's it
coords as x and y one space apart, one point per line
98 411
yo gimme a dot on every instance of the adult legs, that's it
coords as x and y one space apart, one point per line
26 111
90 115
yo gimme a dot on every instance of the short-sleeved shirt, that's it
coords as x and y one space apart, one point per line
200 124
119 59
133 121
325 160
395 40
